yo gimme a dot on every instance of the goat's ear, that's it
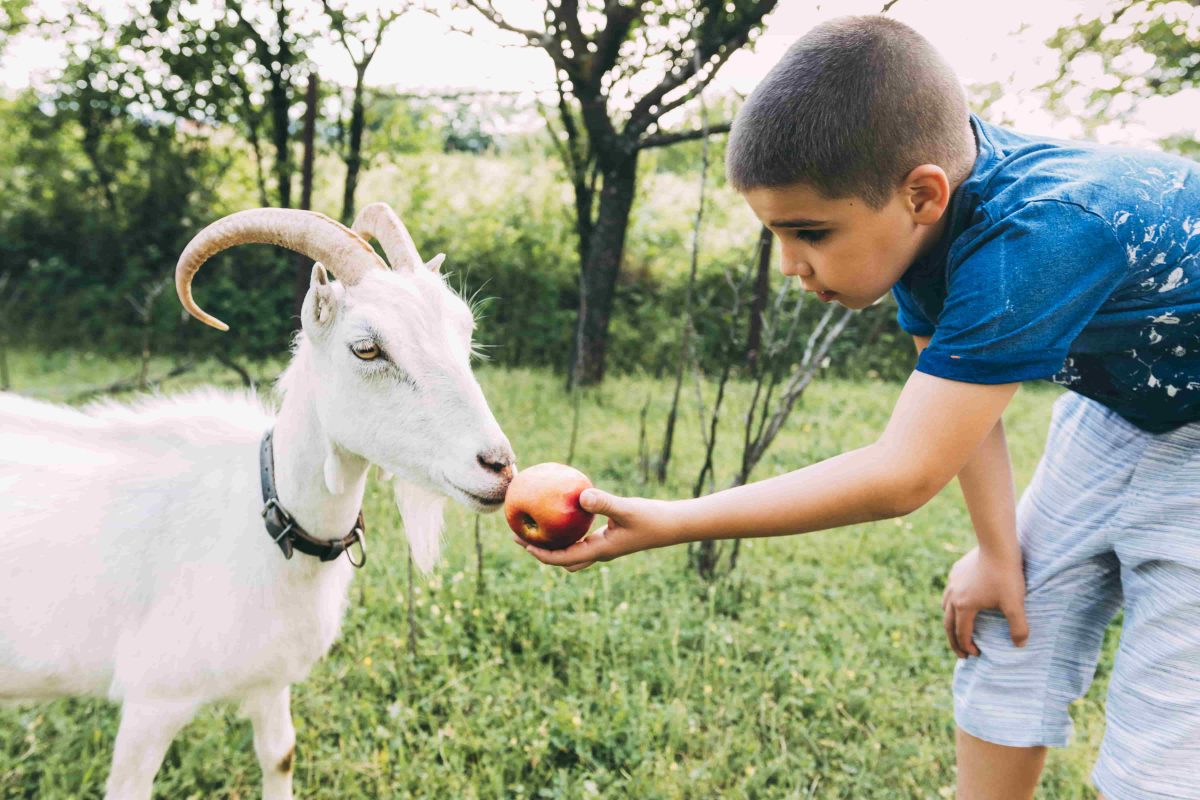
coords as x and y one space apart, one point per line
435 263
324 300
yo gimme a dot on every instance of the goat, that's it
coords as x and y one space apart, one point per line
134 558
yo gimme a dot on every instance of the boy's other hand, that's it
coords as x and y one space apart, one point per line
981 580
634 524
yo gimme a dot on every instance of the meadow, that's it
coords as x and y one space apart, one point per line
816 669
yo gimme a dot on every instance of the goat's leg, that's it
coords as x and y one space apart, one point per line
274 740
143 737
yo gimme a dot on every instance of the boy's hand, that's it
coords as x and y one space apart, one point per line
634 524
982 580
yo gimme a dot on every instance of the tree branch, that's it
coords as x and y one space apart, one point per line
566 14
608 41
712 40
664 139
493 16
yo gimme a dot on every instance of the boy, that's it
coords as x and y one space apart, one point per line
1011 258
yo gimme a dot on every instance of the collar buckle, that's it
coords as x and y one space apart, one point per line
287 533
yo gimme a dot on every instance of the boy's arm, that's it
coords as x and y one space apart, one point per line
990 576
936 426
987 487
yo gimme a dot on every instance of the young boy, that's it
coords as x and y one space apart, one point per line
1011 258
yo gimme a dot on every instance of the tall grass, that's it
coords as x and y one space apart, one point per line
817 669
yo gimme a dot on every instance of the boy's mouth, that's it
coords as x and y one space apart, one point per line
826 297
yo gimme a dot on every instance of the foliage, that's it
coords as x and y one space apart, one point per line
819 670
1140 48
12 17
509 241
464 132
399 126
84 225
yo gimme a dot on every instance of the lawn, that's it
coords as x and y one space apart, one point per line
818 668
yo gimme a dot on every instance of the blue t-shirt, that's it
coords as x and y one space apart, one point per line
1070 261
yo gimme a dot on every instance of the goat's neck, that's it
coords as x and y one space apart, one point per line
307 462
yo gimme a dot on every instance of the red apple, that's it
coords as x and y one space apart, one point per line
542 505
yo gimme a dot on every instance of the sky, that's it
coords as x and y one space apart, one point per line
421 54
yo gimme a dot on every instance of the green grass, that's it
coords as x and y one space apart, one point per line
817 669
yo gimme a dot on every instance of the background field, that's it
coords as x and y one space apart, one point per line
817 669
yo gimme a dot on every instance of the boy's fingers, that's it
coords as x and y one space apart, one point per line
948 624
1018 625
964 628
580 554
597 502
578 567
556 558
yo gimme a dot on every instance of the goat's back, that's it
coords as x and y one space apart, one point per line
112 514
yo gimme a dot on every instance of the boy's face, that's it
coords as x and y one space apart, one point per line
844 250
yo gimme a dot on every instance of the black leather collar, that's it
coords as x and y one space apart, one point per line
287 533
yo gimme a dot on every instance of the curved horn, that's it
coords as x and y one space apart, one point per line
307 232
378 221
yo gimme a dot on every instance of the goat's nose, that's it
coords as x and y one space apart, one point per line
499 460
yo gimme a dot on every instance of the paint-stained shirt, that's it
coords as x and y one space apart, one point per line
1069 261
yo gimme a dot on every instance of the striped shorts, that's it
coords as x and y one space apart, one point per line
1110 520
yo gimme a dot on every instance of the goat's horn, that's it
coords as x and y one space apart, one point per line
378 221
307 232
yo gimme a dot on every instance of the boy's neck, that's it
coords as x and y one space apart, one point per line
931 235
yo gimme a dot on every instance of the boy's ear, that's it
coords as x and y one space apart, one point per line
927 189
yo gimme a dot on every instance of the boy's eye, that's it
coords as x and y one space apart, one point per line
811 235
365 350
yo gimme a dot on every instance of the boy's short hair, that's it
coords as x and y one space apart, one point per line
850 109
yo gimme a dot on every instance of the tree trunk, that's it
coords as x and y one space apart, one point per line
762 285
5 381
303 264
259 177
279 136
92 124
354 151
598 274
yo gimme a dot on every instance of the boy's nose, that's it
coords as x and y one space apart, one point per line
796 268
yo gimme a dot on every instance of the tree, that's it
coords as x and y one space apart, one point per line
597 50
89 166
302 264
234 61
1143 48
361 36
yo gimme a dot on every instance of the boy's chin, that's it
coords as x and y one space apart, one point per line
854 303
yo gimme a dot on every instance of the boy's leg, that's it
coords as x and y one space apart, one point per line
1011 703
1151 747
989 771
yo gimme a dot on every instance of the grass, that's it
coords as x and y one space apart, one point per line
818 669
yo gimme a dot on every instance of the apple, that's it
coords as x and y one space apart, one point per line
542 505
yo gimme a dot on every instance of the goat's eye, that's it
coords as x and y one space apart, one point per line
365 350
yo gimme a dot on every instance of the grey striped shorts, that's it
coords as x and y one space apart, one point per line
1110 520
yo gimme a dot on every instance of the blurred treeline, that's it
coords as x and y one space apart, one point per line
158 123
85 247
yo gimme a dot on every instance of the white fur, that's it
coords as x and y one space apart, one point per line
134 558
422 513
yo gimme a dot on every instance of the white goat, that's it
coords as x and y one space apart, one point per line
134 561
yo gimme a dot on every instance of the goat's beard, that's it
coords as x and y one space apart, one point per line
423 514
